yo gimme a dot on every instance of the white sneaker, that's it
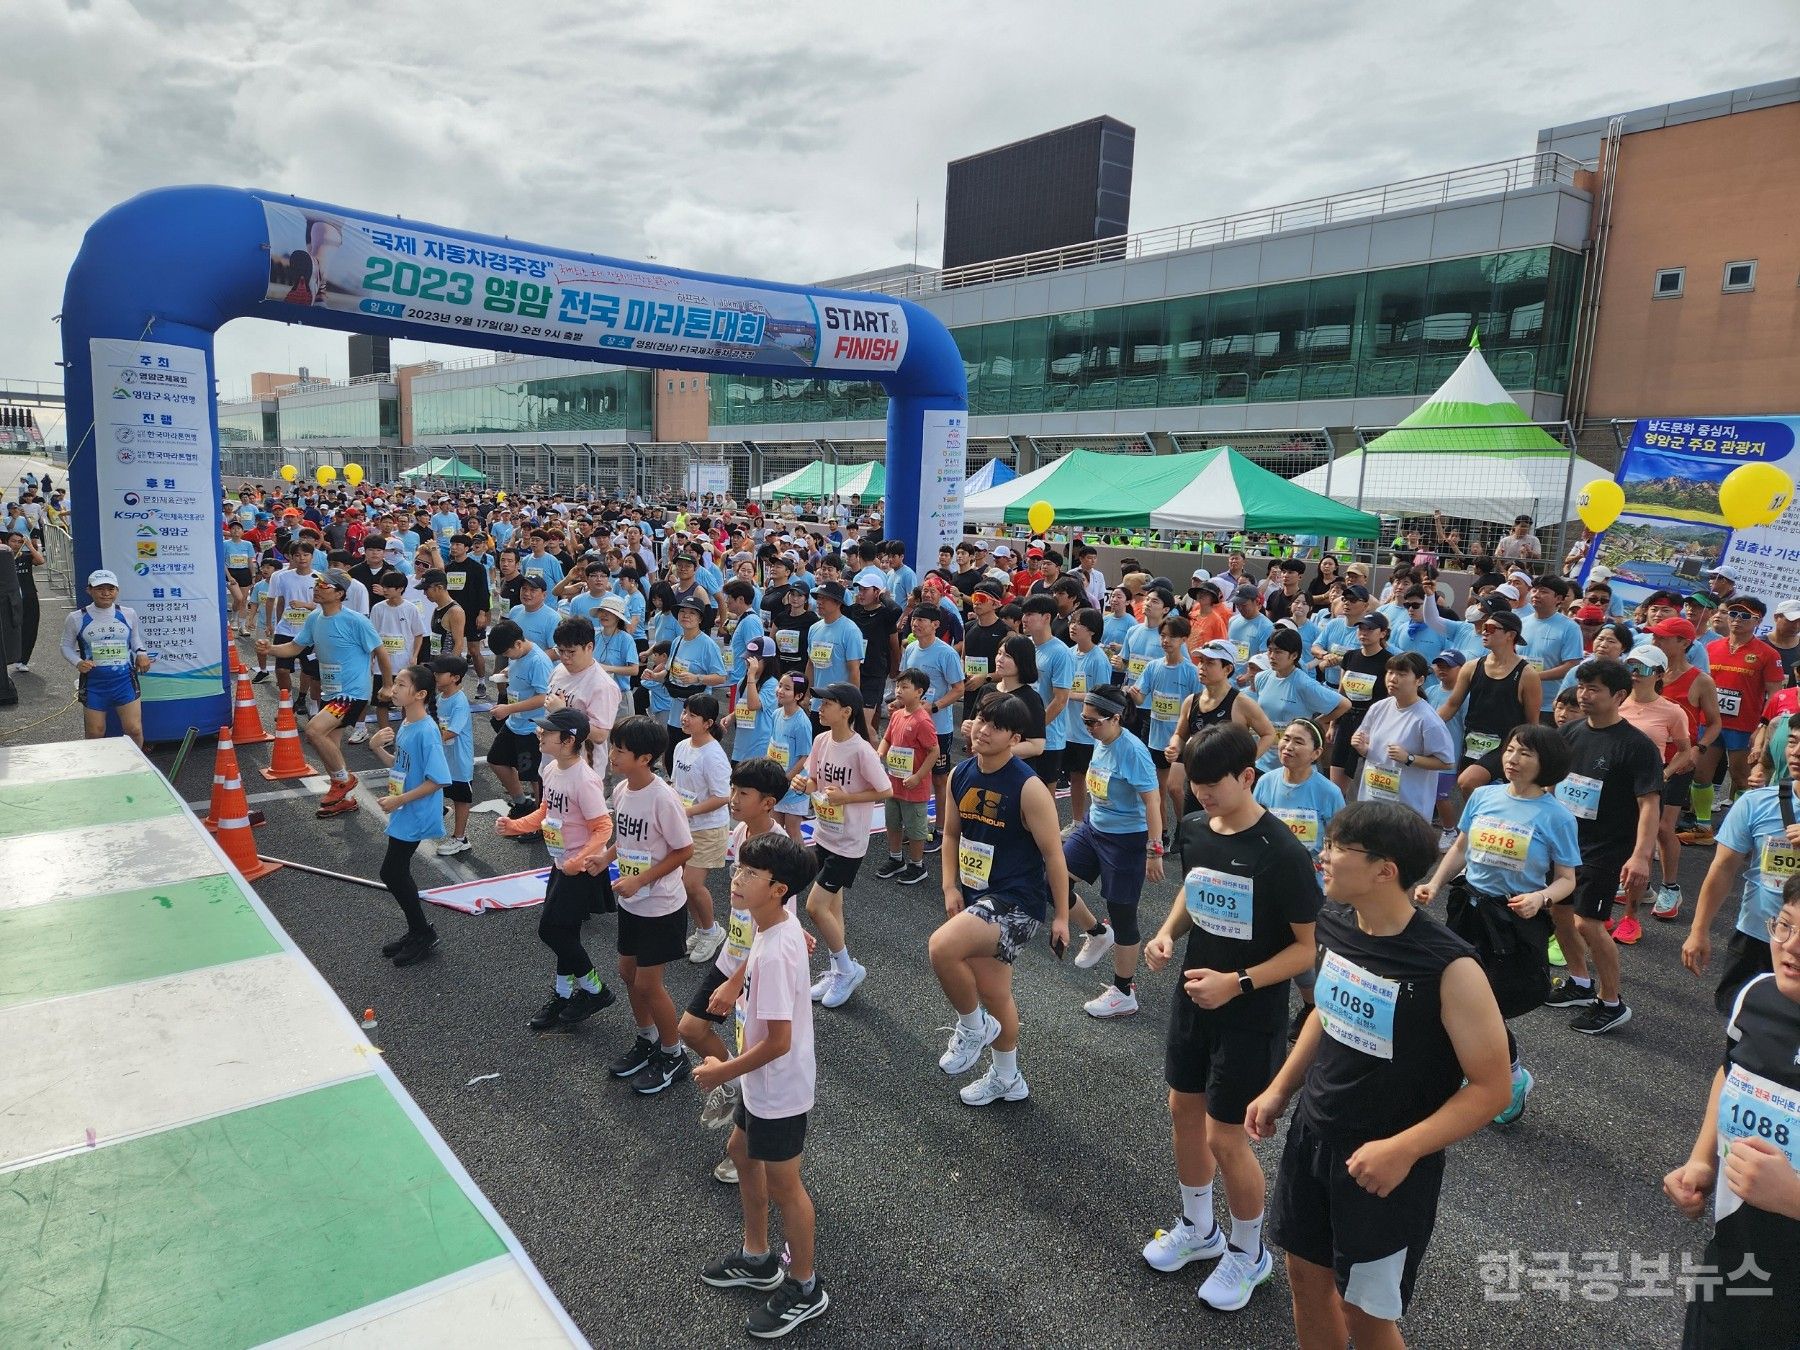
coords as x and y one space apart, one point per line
822 985
842 986
726 1172
1111 1003
703 946
990 1087
360 736
1093 947
966 1044
1173 1248
451 844
1234 1279
1445 839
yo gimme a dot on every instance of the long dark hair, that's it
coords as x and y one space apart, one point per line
1023 652
421 677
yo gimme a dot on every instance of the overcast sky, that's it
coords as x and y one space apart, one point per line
783 141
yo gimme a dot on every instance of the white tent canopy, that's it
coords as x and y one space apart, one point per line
1476 485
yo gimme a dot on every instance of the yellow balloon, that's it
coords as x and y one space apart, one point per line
1600 503
289 472
324 474
353 474
1040 516
1754 494
500 496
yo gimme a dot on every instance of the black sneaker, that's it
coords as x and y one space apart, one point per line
259 677
1600 1018
632 1062
549 1015
583 1004
787 1309
935 844
890 869
737 1271
390 949
1565 993
417 947
912 874
662 1071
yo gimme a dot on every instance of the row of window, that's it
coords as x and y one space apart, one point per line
1671 282
363 419
249 428
600 400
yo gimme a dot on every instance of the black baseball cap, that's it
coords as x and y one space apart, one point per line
832 590
568 721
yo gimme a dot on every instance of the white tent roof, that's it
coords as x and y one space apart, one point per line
1479 485
989 507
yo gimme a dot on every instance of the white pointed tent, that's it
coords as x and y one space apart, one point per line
1467 451
991 474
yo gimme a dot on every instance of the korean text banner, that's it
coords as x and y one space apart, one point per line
1671 530
366 265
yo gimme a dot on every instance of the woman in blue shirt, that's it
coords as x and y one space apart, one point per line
1521 848
1093 669
1284 691
418 773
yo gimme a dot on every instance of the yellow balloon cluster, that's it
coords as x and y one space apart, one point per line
353 474
1754 494
289 472
324 474
1040 517
1600 503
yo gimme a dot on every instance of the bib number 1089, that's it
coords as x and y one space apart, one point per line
1353 1004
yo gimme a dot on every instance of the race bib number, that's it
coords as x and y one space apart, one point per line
975 665
393 641
1222 903
1078 685
781 755
1499 843
1096 785
553 833
1243 651
1134 665
975 864
1357 685
1754 1107
633 863
900 760
1730 700
1779 861
745 715
820 654
108 653
394 786
787 641
1537 663
1356 1008
293 617
827 812
680 670
1165 707
1581 795
738 935
456 580
687 799
1382 785
1304 824
1479 743
331 677
730 658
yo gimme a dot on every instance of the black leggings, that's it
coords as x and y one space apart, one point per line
567 903
396 875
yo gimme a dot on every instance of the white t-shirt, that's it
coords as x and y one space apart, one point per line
853 766
647 824
399 625
740 931
702 772
288 589
778 988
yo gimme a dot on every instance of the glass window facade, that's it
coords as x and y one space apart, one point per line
248 427
601 400
363 419
1397 332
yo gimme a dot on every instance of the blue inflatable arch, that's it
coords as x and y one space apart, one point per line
158 275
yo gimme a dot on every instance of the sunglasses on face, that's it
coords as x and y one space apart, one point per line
1740 614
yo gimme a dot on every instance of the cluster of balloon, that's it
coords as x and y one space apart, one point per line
1752 494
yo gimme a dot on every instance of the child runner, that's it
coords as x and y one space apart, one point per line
513 753
845 779
651 844
1247 905
413 804
577 827
259 615
1386 1083
103 642
1000 859
790 742
778 1071
1093 669
1119 844
458 723
1522 850
703 782
909 750
754 715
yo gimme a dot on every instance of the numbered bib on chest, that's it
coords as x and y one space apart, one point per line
393 642
1478 743
975 665
827 812
331 676
1222 903
396 781
900 760
1134 665
1096 784
1165 707
108 653
293 618
553 832
455 580
1730 700
1356 1008
787 641
975 864
1243 651
1754 1107
687 798
739 935
745 714
781 755
1500 843
1304 824
730 659
1777 861
820 653
1357 685
1078 685
633 863
1382 785
1581 795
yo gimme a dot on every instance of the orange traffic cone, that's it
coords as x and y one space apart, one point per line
247 727
237 662
288 760
234 818
224 769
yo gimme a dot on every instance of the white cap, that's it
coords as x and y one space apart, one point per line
1729 573
1002 551
1789 610
1219 650
871 576
1649 656
1260 661
1508 592
102 577
1201 574
1600 572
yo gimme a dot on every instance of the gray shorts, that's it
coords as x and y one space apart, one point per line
1016 927
909 818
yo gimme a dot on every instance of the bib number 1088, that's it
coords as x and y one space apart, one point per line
1747 1120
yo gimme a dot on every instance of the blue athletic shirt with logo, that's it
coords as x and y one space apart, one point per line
527 677
943 667
1511 842
1285 697
1306 808
418 757
343 643
1125 771
1092 669
1753 827
453 715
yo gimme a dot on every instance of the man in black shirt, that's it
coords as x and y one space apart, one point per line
878 619
373 564
981 639
1614 787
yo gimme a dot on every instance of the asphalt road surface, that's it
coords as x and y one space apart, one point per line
938 1224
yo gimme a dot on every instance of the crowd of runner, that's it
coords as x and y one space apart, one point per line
1428 814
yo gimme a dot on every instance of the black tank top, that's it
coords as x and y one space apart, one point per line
440 636
1493 705
1219 716
988 814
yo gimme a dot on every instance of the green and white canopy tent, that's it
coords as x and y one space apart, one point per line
452 469
821 480
1468 451
1214 489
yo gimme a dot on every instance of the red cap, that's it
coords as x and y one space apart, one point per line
1590 614
1673 628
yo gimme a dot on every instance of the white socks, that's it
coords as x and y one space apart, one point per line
1197 1207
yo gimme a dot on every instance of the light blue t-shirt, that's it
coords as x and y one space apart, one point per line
1339 637
1753 828
746 631
751 738
443 525
616 650
1144 644
501 530
418 757
689 659
1550 642
454 716
343 643
1116 628
664 627
546 567
943 667
1162 681
1306 807
539 627
1126 770
1092 669
1056 670
1249 636
791 740
901 583
526 678
239 553
1285 697
1512 842
583 606
830 647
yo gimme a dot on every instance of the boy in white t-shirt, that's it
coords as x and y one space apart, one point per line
778 1073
